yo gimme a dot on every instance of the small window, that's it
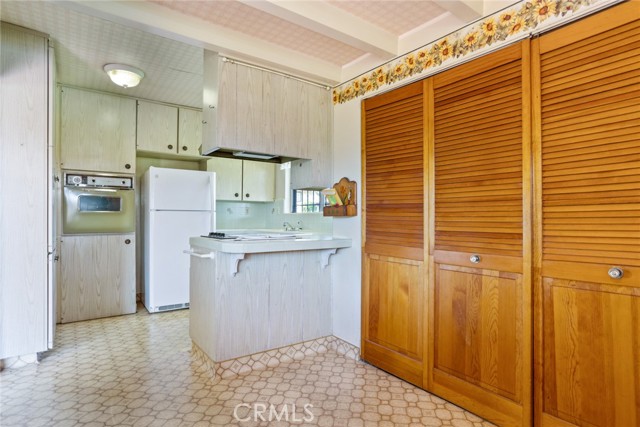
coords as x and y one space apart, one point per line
306 201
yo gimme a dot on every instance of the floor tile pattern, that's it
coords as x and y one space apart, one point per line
272 358
139 370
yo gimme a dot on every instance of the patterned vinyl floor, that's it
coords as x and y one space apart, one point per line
138 370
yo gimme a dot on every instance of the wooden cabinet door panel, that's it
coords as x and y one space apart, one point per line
258 181
228 177
396 309
591 340
249 110
157 127
97 132
189 132
97 277
478 327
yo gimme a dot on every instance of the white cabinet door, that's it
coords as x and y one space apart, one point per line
249 110
226 118
258 181
23 211
157 128
97 276
97 132
291 108
316 172
228 178
189 132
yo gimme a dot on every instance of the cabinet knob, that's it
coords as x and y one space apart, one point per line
474 259
170 147
212 106
616 273
236 195
204 122
246 195
184 148
128 241
127 166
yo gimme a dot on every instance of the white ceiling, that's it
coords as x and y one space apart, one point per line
327 41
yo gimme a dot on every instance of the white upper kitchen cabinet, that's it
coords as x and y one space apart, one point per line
317 172
168 130
189 132
243 180
247 109
157 127
97 131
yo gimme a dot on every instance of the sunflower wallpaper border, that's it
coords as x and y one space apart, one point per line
494 30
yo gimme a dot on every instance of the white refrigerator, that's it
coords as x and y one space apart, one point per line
176 204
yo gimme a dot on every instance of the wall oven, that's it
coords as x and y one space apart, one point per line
96 203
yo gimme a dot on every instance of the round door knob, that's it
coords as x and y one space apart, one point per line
128 241
236 194
616 273
246 195
127 166
474 259
170 147
184 148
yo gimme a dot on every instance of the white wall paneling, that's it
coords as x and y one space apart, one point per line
346 273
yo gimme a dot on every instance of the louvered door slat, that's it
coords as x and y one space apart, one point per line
393 133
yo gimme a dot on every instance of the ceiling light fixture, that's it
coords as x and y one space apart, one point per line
124 75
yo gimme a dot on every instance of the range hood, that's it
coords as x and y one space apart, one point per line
247 155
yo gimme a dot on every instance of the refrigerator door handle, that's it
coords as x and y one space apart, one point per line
210 255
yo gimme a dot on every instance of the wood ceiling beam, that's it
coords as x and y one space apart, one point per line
333 22
465 10
162 21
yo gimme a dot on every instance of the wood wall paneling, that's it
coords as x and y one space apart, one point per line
587 158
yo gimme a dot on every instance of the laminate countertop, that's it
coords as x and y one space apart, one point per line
258 241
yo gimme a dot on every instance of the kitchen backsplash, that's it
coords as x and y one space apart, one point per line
239 215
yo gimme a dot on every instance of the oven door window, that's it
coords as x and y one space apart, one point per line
88 203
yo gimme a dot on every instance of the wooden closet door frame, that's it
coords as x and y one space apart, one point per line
495 408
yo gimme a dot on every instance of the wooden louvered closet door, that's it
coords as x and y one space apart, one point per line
480 291
587 328
393 288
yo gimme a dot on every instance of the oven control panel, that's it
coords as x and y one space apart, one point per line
80 180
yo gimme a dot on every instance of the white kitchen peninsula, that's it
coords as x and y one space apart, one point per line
252 296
